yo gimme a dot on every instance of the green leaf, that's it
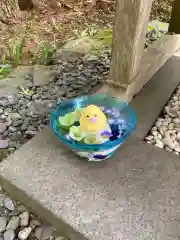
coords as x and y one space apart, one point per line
150 28
46 51
68 120
91 139
3 59
78 112
76 133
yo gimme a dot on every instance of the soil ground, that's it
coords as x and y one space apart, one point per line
57 23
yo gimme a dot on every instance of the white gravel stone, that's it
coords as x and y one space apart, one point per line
166 131
13 223
159 143
24 234
169 143
177 149
158 124
176 120
3 222
2 197
178 136
9 235
8 203
24 219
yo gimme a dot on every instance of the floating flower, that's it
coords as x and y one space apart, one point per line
106 134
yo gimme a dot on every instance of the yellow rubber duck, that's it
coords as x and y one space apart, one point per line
92 119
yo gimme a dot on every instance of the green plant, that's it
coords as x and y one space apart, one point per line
5 68
68 120
26 91
91 139
76 133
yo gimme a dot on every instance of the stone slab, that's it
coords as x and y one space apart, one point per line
17 78
134 195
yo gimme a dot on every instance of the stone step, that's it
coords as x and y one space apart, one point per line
133 195
130 195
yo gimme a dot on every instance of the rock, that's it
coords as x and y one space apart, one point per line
173 111
171 126
158 124
24 234
42 75
3 211
12 129
8 203
178 136
2 197
24 219
47 232
15 116
176 120
4 102
38 232
15 136
3 222
9 235
81 45
24 126
149 138
17 123
169 143
2 127
21 208
177 149
60 238
64 56
35 222
159 143
30 133
12 100
13 223
4 144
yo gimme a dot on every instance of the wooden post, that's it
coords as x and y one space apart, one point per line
174 26
131 18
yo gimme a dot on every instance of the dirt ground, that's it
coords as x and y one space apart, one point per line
57 22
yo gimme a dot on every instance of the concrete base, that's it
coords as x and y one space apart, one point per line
134 195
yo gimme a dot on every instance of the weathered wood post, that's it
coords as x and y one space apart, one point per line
131 18
174 26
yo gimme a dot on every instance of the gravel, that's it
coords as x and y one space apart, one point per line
166 131
25 114
21 224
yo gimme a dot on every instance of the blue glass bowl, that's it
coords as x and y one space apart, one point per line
118 114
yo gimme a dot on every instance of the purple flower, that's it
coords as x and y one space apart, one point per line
106 134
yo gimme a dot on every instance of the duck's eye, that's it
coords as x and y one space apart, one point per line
87 116
95 115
